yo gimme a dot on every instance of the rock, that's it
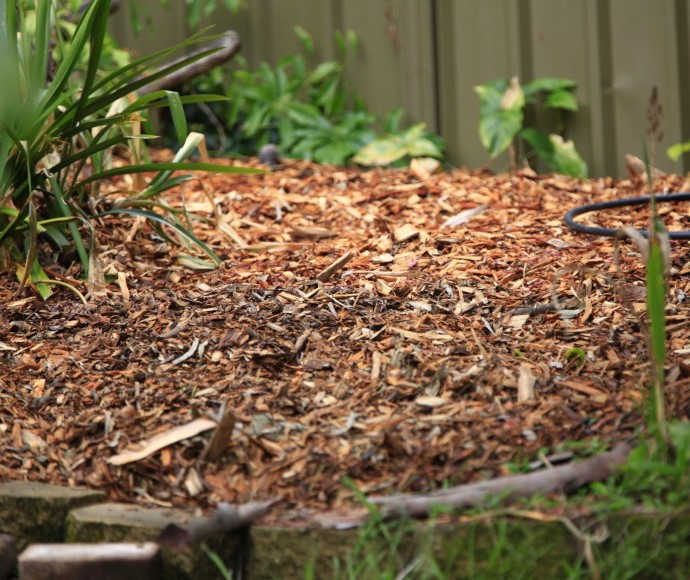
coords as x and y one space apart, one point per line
269 155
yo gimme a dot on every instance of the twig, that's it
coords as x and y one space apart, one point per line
225 519
228 45
566 478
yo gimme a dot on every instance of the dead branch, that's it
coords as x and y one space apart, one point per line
227 46
565 478
226 518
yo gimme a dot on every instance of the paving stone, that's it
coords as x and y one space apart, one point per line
114 522
8 555
35 512
90 561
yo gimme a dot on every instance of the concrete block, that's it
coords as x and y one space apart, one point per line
36 512
90 562
114 522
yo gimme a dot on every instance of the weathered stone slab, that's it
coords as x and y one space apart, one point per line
35 512
89 561
8 555
114 522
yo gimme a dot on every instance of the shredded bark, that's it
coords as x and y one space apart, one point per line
397 368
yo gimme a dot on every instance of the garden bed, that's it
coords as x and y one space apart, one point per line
400 367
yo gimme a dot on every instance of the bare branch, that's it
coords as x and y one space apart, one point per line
565 478
228 45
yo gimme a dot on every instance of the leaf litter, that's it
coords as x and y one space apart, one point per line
403 330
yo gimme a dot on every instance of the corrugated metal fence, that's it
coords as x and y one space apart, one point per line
427 55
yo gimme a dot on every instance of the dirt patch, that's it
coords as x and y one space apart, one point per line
402 371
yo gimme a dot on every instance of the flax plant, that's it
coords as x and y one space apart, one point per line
61 117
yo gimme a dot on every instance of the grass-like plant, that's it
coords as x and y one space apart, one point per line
61 117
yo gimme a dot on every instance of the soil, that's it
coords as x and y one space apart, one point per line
348 334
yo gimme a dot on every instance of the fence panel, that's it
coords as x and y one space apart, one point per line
427 57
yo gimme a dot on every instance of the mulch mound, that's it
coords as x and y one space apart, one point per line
347 332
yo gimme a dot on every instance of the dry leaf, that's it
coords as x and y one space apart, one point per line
463 217
174 435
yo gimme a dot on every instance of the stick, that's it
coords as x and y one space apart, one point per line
226 518
565 478
228 45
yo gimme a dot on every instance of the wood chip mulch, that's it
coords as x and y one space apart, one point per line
351 336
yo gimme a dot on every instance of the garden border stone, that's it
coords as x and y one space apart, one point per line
41 513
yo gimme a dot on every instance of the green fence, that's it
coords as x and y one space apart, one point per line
427 55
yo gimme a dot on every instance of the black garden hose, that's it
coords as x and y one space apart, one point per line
611 232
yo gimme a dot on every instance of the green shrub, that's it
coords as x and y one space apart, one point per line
309 111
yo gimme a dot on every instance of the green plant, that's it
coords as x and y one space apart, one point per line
223 570
399 146
205 8
675 152
310 112
196 10
58 149
326 141
655 280
502 121
576 354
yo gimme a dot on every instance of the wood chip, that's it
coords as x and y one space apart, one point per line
405 233
339 264
526 382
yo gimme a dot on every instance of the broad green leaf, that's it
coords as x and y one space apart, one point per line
549 84
381 152
388 150
566 159
558 154
423 148
498 129
37 278
540 142
676 151
491 94
564 100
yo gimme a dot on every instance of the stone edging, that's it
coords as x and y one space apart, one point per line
34 514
